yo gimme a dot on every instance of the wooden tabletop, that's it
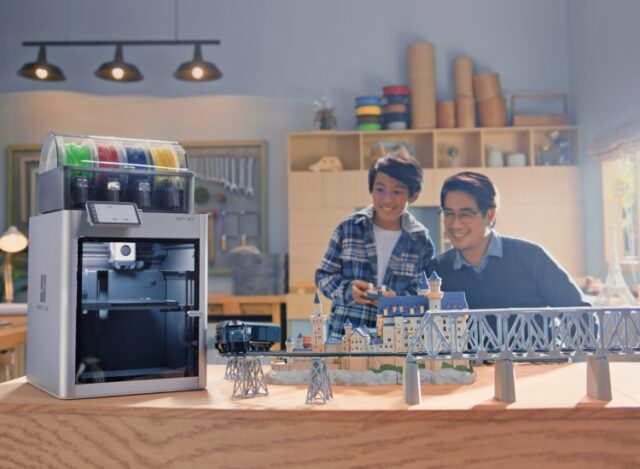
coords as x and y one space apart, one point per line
551 423
14 335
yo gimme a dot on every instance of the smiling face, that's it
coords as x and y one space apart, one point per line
390 198
466 226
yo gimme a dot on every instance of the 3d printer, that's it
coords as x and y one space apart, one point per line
117 270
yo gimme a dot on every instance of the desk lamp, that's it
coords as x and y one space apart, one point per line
12 241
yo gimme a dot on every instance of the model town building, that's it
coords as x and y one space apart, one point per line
397 320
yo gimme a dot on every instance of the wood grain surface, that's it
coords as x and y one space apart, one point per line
14 335
552 424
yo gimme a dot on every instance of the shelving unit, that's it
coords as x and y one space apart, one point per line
431 147
540 203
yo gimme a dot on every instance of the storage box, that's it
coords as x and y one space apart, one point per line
525 120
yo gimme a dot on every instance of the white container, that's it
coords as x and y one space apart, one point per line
494 157
516 159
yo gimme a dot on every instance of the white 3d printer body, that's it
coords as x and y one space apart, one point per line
117 287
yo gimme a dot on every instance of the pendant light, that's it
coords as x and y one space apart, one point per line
197 69
118 69
41 70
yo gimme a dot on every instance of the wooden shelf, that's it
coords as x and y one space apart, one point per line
356 149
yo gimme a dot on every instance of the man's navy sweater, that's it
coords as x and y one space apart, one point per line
526 276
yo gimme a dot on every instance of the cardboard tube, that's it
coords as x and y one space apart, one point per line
493 112
465 113
486 86
463 77
446 114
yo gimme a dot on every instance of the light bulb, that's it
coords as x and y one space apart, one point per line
117 73
42 73
197 72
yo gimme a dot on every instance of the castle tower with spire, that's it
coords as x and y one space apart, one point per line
435 294
346 339
317 326
423 285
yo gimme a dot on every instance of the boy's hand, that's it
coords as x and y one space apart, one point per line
359 290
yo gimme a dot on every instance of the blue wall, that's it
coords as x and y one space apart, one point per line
298 50
292 48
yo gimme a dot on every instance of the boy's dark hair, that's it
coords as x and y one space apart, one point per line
400 166
476 185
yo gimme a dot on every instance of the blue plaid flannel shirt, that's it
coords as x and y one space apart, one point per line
351 255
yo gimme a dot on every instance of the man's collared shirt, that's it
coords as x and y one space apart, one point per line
493 249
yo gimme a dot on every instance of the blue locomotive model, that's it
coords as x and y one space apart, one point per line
241 337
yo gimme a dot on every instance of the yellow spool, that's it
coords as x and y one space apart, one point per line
368 111
164 159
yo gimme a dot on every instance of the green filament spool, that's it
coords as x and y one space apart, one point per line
78 155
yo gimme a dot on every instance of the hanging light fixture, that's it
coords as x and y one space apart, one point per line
118 69
197 69
40 69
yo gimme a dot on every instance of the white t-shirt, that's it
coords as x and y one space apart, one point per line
385 242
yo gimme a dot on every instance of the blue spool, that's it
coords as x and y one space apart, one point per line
367 101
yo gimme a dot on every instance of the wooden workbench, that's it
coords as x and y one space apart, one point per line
552 423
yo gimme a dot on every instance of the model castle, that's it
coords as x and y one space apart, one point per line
397 320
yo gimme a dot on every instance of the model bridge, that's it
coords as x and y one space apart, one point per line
499 335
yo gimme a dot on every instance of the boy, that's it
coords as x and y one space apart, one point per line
382 244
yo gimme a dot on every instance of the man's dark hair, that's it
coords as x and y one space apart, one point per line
476 185
400 166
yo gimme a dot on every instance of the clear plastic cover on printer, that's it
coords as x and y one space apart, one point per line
75 169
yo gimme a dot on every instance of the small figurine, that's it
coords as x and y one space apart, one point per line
325 116
326 163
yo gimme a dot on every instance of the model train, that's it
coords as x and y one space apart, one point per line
241 337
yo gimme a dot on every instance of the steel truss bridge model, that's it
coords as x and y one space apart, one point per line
503 336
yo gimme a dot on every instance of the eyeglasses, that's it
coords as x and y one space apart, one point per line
466 215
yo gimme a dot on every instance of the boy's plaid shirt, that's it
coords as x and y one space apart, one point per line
351 255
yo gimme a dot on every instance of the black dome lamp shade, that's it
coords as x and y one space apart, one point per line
197 69
118 69
41 70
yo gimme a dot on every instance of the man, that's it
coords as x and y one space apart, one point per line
494 271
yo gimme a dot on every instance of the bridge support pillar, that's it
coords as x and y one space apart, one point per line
598 378
319 390
411 382
231 370
505 383
249 379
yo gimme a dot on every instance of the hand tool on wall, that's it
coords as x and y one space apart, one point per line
249 186
241 187
243 234
223 236
217 164
227 172
233 186
211 236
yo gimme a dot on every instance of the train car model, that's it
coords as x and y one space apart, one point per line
240 337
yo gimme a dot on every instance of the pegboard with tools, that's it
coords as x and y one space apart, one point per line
230 185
